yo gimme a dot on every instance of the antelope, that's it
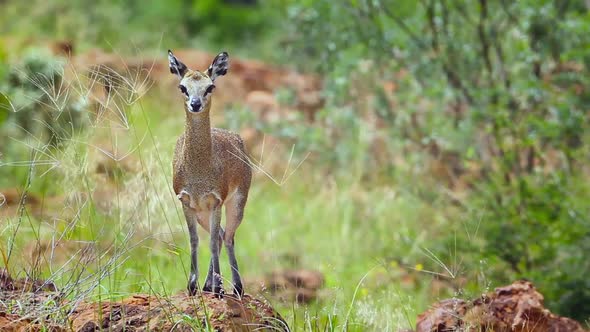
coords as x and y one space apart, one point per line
208 173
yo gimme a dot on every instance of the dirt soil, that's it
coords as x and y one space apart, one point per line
514 308
27 305
288 286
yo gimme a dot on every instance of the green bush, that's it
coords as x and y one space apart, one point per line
221 20
503 85
37 101
129 26
4 101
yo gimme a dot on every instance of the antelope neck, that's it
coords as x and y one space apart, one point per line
197 139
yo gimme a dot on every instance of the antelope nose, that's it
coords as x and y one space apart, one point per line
196 105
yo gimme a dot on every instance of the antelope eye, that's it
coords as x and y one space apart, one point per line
183 89
209 89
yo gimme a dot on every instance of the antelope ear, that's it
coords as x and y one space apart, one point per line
219 66
176 67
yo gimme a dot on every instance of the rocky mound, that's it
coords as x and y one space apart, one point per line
27 305
514 308
179 313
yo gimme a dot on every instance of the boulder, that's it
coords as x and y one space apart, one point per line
514 308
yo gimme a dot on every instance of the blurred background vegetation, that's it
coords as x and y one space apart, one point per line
452 137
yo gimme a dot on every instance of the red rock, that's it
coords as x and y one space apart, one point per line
514 308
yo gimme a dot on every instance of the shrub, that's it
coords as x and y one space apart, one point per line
502 85
37 101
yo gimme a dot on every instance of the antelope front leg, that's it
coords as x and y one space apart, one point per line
191 221
208 282
235 273
214 282
234 213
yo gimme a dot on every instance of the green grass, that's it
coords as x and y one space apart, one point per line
383 240
377 241
363 237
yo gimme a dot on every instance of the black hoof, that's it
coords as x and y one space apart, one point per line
219 292
207 288
215 287
238 290
192 285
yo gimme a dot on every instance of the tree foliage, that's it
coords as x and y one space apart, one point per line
515 77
